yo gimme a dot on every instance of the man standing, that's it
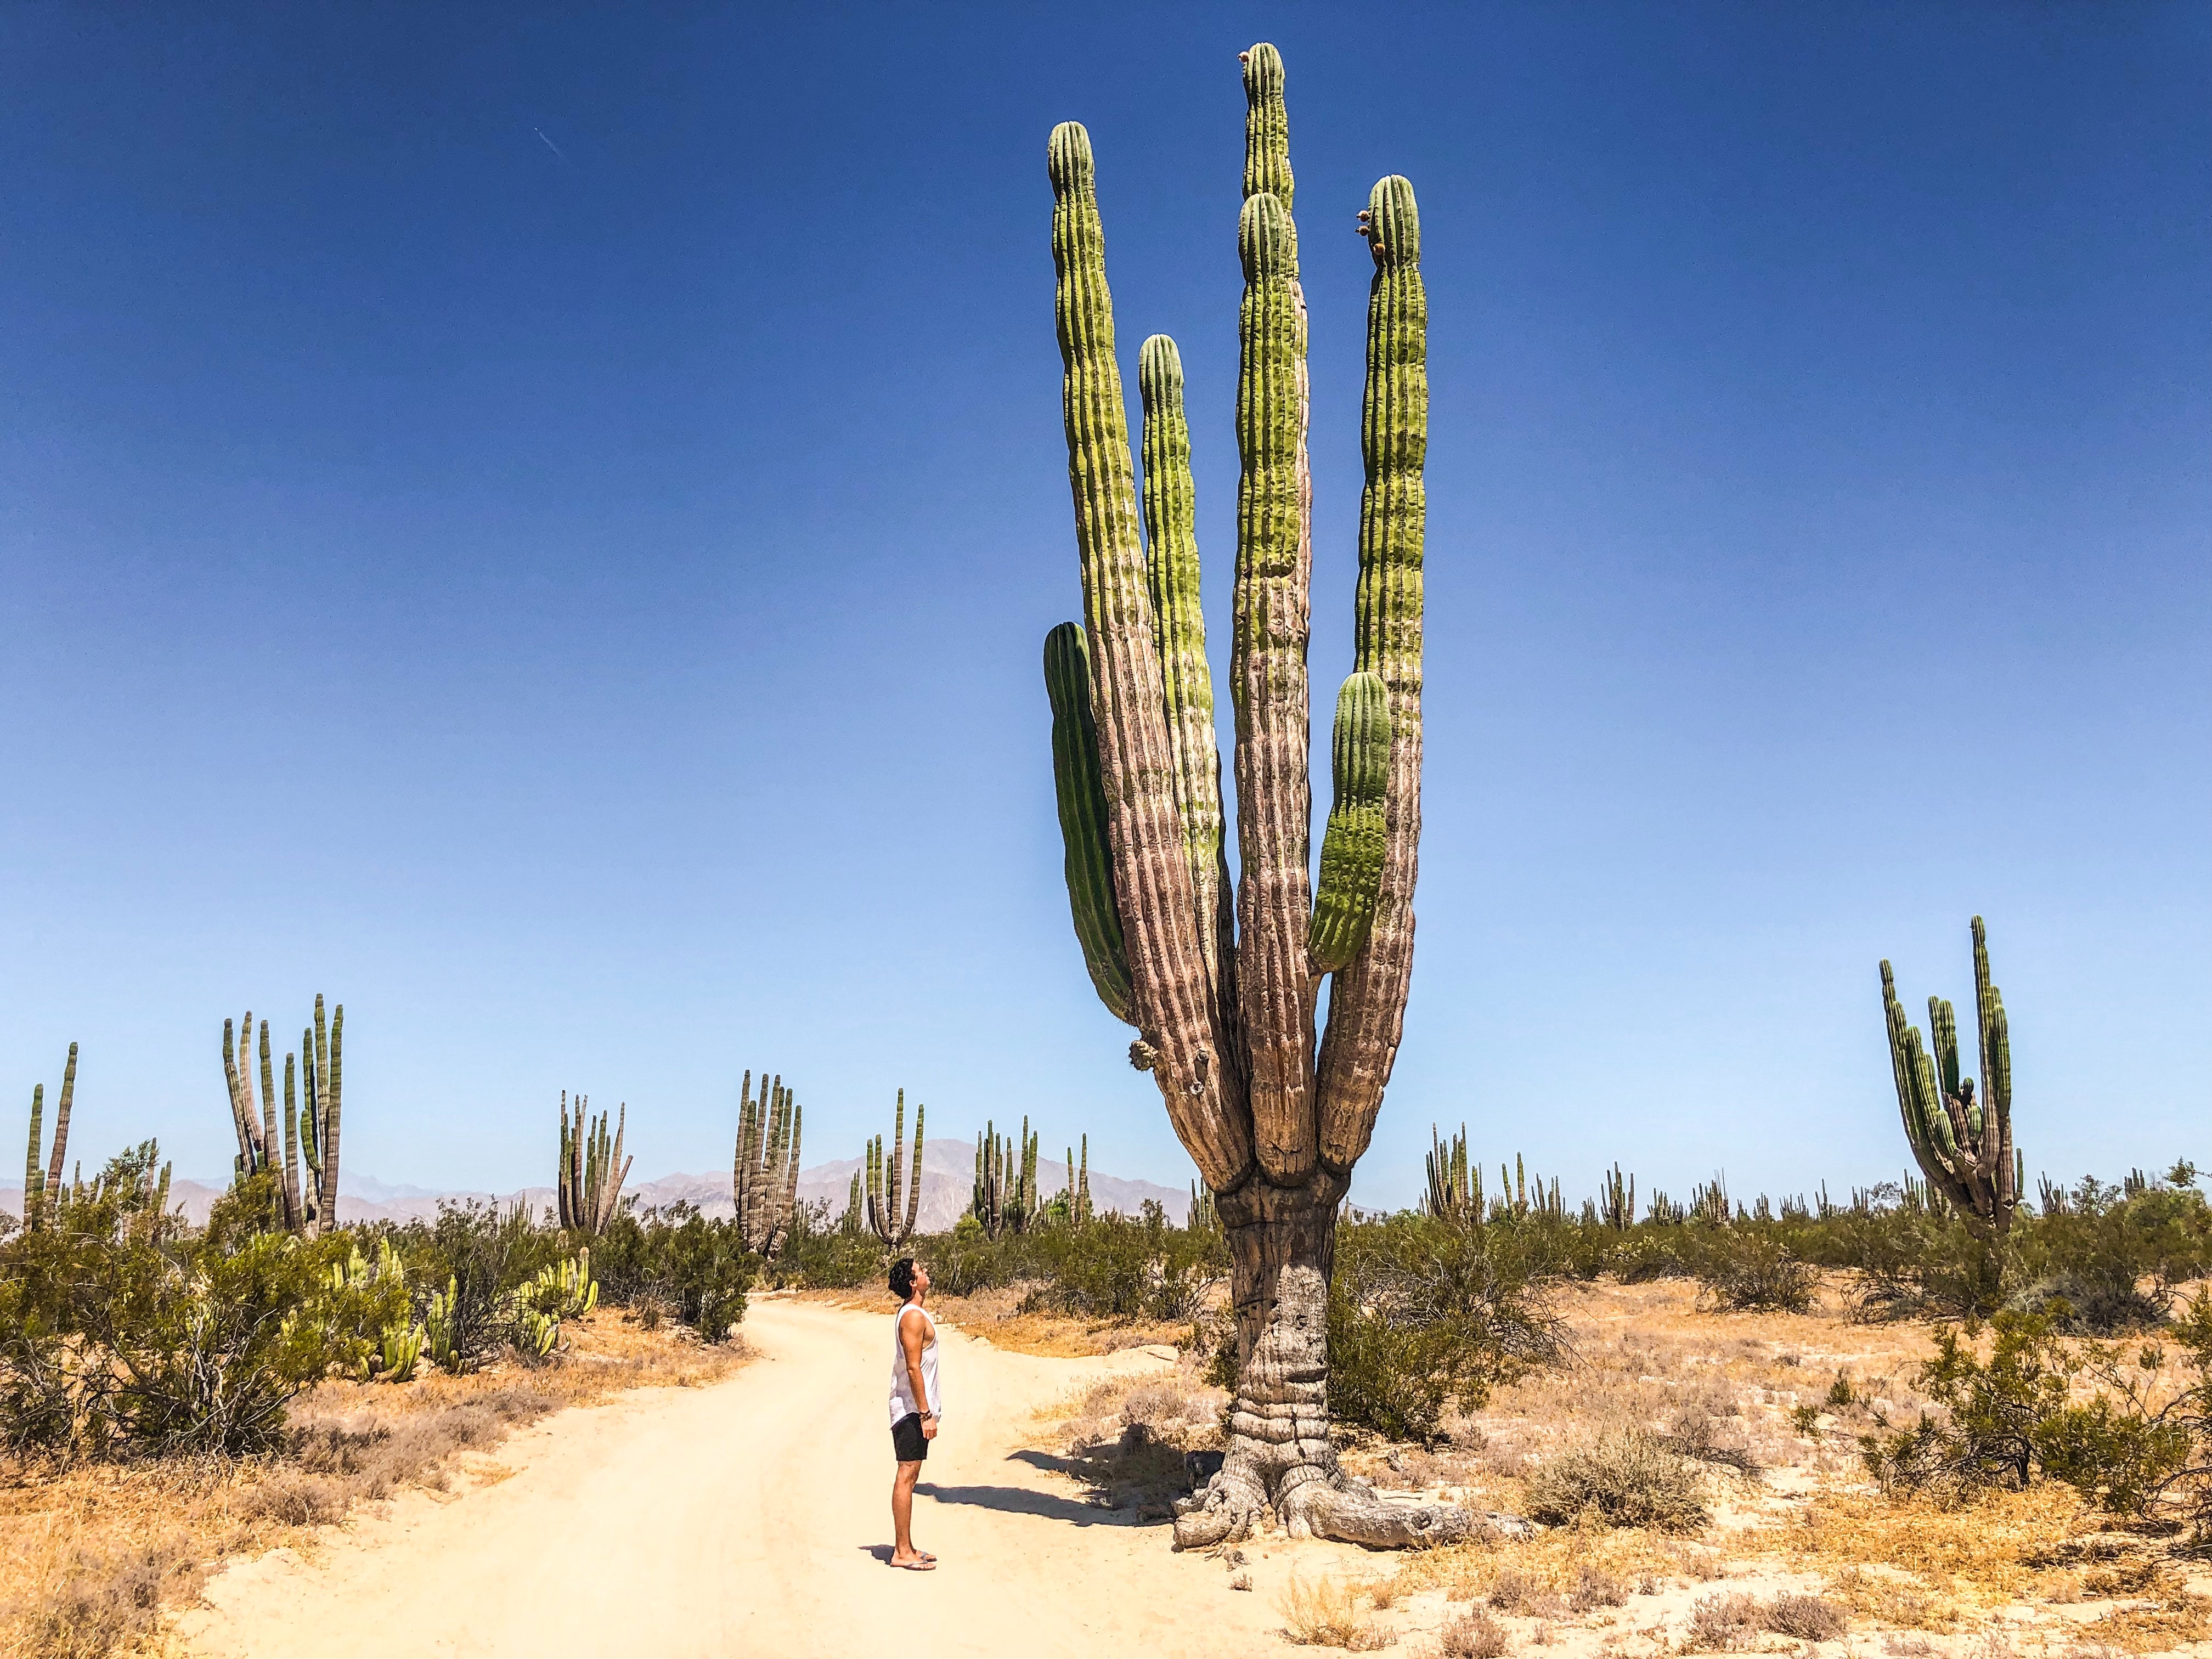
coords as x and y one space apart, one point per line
915 1406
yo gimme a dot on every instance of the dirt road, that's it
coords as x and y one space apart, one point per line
752 1518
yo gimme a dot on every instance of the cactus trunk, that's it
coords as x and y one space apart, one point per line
1273 1114
884 1177
764 1179
1963 1146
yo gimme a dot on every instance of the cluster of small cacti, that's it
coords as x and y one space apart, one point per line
399 1344
592 1169
40 1176
883 1176
1963 1146
764 1178
313 1107
1005 1198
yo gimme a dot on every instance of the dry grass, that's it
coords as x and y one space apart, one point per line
90 1556
1324 1613
1125 1437
1473 1635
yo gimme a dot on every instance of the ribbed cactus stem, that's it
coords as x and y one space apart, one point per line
886 1174
1367 1002
1354 847
34 1176
1080 795
61 1106
1179 635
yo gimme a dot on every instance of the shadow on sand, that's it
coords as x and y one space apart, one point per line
1020 1500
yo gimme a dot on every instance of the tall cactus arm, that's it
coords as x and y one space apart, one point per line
1367 1001
1994 1042
330 1067
62 1120
1927 1125
914 1180
1268 677
1353 847
270 1133
33 1177
1179 633
310 1128
617 1172
1087 857
296 1215
233 1050
895 1169
1266 126
1183 1031
791 1167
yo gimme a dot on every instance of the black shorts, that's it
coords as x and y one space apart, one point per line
907 1439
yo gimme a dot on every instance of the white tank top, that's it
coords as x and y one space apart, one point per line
902 1402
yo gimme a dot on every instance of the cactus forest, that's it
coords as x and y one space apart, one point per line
1222 986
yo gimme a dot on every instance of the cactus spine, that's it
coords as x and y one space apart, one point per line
1963 1146
1273 1111
882 1183
1006 1195
592 1169
764 1179
41 1182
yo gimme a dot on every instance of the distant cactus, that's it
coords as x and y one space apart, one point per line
41 1181
1006 1196
1963 1146
1202 1217
1617 1202
442 1326
1455 1181
884 1177
1075 1200
400 1352
764 1179
593 1170
311 1135
856 1208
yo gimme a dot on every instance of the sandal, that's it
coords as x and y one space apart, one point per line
923 1564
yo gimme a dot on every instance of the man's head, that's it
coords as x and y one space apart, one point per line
903 1277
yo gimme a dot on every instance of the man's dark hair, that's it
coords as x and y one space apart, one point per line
903 1278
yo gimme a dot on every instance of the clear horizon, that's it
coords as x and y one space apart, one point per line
543 532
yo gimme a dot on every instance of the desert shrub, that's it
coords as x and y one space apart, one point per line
2005 1419
1325 1613
1422 1311
1746 1269
1474 1635
1808 1618
1722 1623
1115 1266
1594 1590
118 1335
697 1269
2114 1257
1625 1478
820 1255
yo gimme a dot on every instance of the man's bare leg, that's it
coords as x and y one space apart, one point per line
903 1553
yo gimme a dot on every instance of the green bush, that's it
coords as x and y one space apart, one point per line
118 1335
820 1255
699 1267
1747 1268
2020 1414
1424 1311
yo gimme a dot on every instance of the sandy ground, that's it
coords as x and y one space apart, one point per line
752 1517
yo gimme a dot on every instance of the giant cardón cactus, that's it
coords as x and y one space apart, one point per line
1962 1145
42 1182
588 1189
1224 1003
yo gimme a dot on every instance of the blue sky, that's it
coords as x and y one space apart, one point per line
542 531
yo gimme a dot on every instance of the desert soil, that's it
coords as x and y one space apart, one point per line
752 1517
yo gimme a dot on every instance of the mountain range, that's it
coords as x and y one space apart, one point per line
948 1176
